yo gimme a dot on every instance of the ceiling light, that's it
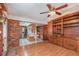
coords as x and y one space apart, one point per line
51 13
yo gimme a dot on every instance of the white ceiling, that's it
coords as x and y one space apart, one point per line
31 11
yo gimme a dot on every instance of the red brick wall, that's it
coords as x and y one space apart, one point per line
13 33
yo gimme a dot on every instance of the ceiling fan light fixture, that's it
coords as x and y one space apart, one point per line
51 12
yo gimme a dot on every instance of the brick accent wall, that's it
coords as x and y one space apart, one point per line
13 33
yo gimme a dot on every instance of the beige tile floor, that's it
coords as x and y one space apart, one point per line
44 49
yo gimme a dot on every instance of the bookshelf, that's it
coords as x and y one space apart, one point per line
57 31
65 31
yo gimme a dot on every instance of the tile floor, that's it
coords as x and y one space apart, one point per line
27 42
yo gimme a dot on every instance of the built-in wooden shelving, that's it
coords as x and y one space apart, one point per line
65 31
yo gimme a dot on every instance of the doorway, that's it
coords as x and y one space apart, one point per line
23 32
23 40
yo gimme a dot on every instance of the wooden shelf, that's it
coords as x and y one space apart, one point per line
57 24
67 28
71 21
71 26
72 18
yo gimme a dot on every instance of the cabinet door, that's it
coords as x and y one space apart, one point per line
60 41
70 43
77 46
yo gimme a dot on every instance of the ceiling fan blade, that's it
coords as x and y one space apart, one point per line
58 13
63 6
49 7
44 12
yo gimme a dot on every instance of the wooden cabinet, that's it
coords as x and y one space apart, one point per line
59 41
57 31
77 48
13 33
65 31
69 43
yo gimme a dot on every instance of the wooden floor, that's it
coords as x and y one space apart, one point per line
44 49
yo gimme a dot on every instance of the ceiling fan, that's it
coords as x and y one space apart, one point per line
53 9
